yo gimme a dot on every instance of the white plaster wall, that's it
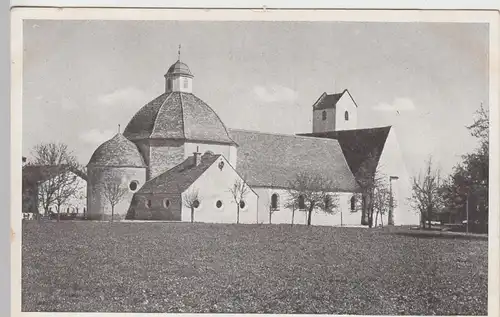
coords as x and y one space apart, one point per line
214 185
346 104
320 125
97 204
228 151
392 164
75 203
344 216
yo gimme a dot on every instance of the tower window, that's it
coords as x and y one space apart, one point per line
353 204
323 115
346 116
166 203
186 83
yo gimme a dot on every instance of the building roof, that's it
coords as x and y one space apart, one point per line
118 152
273 160
329 101
179 68
34 174
358 145
177 179
177 115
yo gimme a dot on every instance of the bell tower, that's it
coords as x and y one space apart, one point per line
179 77
335 112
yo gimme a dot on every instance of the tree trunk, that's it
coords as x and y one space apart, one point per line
309 215
112 212
58 214
238 214
293 214
382 220
192 214
376 219
270 214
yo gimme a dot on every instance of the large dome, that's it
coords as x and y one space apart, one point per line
179 68
117 152
177 115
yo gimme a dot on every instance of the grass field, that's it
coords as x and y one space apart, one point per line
182 267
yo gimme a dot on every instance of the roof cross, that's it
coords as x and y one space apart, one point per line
179 53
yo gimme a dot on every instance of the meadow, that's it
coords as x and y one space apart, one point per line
196 268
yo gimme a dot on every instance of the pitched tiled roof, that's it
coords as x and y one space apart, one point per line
273 160
357 145
118 152
180 177
326 101
177 115
33 174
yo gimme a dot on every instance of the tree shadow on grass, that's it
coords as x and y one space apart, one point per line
441 235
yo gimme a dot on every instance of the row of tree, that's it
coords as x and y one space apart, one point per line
463 195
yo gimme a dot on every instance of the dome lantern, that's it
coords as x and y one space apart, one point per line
178 77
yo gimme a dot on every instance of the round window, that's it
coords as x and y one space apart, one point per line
196 203
148 203
166 203
242 204
133 185
218 204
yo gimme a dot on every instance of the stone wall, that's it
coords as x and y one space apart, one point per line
163 155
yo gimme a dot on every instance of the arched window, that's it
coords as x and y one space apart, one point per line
186 83
302 203
323 115
169 84
353 204
148 203
275 204
346 115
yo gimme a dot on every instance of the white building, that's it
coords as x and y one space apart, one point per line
176 143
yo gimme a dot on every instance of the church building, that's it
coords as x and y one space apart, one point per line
179 162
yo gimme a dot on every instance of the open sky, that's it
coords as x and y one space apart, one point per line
83 78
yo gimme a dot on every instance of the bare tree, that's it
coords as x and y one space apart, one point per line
59 168
191 199
371 180
114 192
382 201
426 197
238 191
313 192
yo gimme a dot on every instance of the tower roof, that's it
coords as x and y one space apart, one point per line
179 68
118 152
177 115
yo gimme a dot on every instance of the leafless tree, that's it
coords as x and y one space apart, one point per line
239 190
191 199
372 181
60 167
313 192
426 197
114 193
382 202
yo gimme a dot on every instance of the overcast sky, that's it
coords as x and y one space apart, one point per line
83 78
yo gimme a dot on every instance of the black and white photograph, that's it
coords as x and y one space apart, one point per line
224 162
